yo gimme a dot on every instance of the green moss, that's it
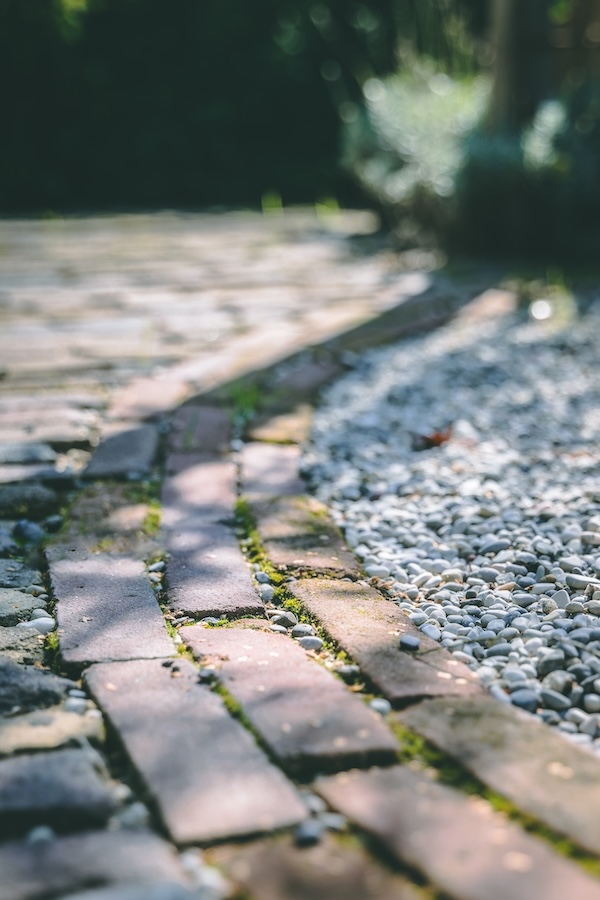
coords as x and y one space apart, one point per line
151 523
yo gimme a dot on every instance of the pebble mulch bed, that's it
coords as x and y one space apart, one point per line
464 469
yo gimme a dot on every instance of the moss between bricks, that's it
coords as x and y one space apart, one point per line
415 749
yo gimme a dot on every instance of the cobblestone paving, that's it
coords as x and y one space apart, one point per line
201 695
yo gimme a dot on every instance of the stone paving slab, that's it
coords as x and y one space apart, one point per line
47 729
204 771
522 759
207 574
31 500
24 452
125 451
297 534
15 473
368 628
459 843
28 687
16 606
330 870
270 470
306 716
22 645
57 868
61 789
15 574
56 435
200 492
106 608
200 429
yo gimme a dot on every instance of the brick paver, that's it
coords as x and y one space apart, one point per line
198 493
126 451
298 536
35 871
368 628
203 770
270 470
207 574
538 769
308 718
200 429
459 843
61 789
106 608
331 870
106 327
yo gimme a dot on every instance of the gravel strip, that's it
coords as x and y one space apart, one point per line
464 469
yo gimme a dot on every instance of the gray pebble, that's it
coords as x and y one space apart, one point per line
554 700
311 642
302 629
409 642
381 705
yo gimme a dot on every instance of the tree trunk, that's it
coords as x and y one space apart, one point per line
523 68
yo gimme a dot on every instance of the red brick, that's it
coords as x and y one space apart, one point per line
458 842
106 608
202 769
368 628
298 535
200 430
307 717
518 756
200 492
273 870
207 574
271 470
33 871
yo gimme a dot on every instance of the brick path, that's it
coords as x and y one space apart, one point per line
198 726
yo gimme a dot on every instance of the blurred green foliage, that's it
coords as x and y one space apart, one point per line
143 103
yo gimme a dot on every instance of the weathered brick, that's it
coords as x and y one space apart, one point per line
61 789
288 427
36 871
368 628
207 574
307 717
124 450
271 470
458 842
200 430
200 492
297 534
203 770
519 757
106 608
328 871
